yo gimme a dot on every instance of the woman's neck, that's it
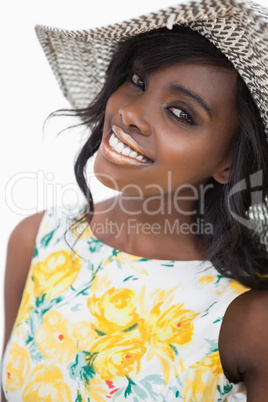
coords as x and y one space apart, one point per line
149 228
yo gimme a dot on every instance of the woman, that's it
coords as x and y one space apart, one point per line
160 293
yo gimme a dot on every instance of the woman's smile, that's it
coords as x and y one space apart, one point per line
119 147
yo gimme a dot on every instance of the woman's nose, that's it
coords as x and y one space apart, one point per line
134 117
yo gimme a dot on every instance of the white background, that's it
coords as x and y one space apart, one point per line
29 93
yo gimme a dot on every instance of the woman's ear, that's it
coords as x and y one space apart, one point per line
222 175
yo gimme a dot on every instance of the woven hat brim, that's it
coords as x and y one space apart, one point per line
79 59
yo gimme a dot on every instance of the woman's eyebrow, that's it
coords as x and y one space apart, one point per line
181 89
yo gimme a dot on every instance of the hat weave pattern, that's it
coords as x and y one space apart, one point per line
238 28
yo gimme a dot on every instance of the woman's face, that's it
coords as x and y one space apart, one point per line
171 128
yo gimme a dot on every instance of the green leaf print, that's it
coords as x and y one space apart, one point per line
207 310
48 237
174 349
226 389
134 388
130 328
100 333
77 307
78 397
40 300
36 355
35 253
128 390
42 305
82 368
130 277
213 346
218 320
171 265
150 381
219 277
94 245
143 395
176 392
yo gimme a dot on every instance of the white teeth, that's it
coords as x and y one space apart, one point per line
133 154
126 151
122 148
113 140
119 147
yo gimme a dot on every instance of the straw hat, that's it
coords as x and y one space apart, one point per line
238 28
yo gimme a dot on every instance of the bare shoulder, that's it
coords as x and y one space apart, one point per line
21 245
243 342
19 255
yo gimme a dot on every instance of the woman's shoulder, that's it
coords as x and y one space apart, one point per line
22 238
243 341
21 248
26 229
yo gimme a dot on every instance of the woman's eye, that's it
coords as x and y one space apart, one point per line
137 81
181 115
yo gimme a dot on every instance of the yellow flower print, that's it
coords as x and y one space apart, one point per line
114 311
55 274
118 356
54 338
85 335
96 391
46 385
132 261
173 326
17 367
82 230
100 283
164 328
27 302
238 288
206 280
203 378
234 287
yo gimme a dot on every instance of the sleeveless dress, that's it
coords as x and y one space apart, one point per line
96 324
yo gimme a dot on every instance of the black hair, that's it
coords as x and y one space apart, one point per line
234 249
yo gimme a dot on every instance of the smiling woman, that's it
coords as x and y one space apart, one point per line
152 295
175 129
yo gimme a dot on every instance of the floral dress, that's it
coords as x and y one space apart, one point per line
96 324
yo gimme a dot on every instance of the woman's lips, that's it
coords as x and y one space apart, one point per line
129 141
122 148
120 152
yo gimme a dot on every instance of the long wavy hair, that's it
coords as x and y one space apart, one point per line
234 249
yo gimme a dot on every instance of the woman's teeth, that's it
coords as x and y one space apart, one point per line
123 149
